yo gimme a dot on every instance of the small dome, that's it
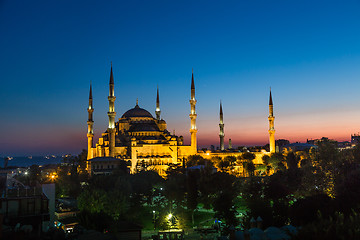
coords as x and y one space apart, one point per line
137 112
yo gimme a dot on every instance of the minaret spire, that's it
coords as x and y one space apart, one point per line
221 125
111 114
90 123
90 94
192 85
157 110
193 129
111 82
271 125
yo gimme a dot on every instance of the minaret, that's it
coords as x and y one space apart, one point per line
193 115
157 111
90 123
221 125
111 114
271 125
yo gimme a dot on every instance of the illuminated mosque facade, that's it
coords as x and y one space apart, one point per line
141 139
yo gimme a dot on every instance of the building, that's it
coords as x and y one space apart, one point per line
105 165
22 205
138 137
280 143
143 140
355 139
294 147
65 214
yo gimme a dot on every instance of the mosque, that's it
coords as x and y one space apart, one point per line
142 140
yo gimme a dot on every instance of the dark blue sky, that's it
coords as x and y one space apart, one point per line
307 51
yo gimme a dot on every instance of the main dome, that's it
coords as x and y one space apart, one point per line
136 112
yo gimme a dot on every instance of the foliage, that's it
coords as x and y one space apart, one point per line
114 204
68 182
96 221
246 160
338 227
192 196
225 191
254 196
142 185
262 169
70 175
348 191
277 161
304 211
248 156
195 160
118 196
292 161
35 175
293 188
231 160
327 181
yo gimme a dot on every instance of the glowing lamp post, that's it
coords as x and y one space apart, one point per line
170 217
154 219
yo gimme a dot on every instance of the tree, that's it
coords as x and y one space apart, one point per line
68 182
305 211
34 175
142 186
248 156
194 160
80 160
231 161
223 165
247 162
326 166
277 161
225 191
266 162
215 160
348 191
192 195
174 188
205 188
292 161
277 190
339 226
252 191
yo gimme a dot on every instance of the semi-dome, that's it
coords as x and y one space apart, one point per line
137 112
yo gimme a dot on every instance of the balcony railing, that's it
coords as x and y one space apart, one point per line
23 192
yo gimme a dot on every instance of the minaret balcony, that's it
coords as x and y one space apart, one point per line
111 98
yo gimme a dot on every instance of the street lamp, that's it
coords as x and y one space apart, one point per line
171 219
154 219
